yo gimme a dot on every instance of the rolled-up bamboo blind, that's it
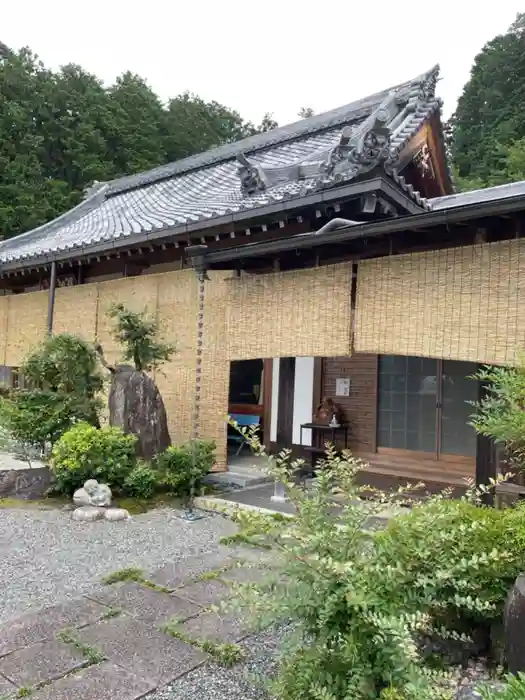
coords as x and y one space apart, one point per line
458 303
290 314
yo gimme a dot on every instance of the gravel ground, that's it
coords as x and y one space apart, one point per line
46 557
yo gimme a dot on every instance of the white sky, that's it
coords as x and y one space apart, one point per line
274 55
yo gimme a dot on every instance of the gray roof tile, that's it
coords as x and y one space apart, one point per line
489 194
207 185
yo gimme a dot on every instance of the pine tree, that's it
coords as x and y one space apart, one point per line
489 121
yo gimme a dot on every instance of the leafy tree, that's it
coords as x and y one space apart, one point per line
193 125
139 336
63 382
135 134
305 112
489 123
267 124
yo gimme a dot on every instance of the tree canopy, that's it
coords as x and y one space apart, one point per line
61 130
487 131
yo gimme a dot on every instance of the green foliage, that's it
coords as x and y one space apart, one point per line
514 689
181 468
138 335
360 598
500 415
129 574
142 481
64 364
488 128
86 452
63 380
133 574
452 559
60 131
36 418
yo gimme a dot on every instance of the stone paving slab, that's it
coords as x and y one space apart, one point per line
145 603
142 649
245 574
176 574
41 662
216 628
205 593
44 624
6 687
106 681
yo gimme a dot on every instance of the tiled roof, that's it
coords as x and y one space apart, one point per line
206 186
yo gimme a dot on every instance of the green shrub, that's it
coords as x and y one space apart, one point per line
182 466
452 559
500 415
38 416
142 481
86 452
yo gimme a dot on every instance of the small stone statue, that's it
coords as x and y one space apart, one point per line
93 502
93 494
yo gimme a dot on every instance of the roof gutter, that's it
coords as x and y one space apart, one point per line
359 230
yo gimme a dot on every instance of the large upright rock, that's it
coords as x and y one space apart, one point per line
136 406
515 626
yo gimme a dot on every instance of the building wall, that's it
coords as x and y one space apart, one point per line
360 407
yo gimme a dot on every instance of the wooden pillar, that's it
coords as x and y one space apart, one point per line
286 394
51 298
267 402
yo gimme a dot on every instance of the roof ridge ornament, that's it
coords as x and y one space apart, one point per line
252 176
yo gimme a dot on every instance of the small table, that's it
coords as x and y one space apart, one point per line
328 433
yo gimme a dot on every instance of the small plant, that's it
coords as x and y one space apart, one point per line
91 654
181 468
86 452
139 336
513 690
226 654
133 574
24 692
142 481
111 613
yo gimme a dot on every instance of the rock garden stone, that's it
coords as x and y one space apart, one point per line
515 626
114 514
87 513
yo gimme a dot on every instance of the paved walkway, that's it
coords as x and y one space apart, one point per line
109 644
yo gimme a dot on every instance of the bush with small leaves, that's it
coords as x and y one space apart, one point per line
85 452
181 468
454 559
361 598
142 481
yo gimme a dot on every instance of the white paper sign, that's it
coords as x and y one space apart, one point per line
342 386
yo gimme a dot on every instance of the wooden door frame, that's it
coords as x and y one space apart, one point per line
285 399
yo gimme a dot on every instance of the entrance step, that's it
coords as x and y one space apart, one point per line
240 476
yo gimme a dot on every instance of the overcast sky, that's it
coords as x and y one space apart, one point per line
270 56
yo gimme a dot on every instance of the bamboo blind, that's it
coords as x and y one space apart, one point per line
290 314
26 325
457 303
